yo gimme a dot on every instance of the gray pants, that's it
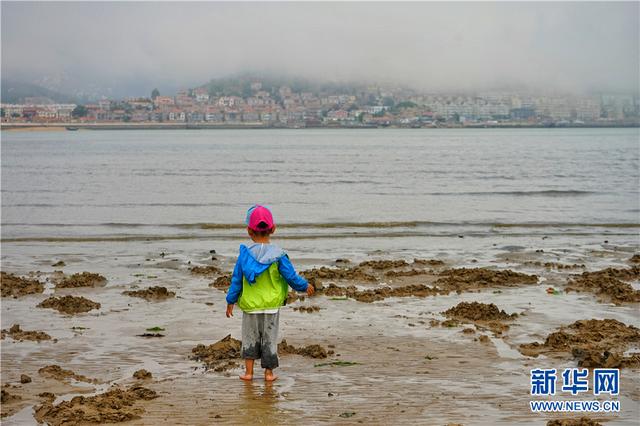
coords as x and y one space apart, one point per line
260 338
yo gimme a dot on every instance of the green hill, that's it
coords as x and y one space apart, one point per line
240 85
14 92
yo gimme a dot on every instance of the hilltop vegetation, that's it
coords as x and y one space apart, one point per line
15 92
240 85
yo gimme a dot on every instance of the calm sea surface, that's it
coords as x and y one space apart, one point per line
319 183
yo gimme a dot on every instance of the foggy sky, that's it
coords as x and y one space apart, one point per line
572 47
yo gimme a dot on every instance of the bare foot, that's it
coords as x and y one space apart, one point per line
270 377
247 377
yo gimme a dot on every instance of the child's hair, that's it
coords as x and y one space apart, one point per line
261 233
260 221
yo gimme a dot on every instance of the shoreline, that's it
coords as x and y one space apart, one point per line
17 127
386 318
378 343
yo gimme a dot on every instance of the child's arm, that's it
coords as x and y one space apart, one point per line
233 294
292 278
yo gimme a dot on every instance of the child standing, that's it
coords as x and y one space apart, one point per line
259 285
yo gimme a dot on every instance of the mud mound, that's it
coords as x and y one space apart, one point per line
635 258
142 374
554 265
217 356
84 279
7 397
582 421
457 280
16 333
113 406
589 341
428 262
630 274
598 333
222 282
150 335
11 285
607 284
308 309
293 296
362 272
58 373
353 274
605 359
410 273
311 351
69 304
483 315
372 295
475 278
25 379
417 290
48 396
221 355
476 311
151 293
383 264
205 270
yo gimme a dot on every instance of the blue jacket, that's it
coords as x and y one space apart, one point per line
256 259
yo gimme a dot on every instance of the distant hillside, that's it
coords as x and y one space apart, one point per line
14 92
240 85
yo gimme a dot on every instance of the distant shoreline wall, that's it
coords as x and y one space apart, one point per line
125 126
202 126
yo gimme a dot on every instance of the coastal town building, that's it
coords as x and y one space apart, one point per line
201 95
266 105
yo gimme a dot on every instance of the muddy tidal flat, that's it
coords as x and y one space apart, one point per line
142 338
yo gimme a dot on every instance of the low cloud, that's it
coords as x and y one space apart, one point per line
132 47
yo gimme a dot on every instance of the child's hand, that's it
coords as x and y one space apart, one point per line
229 311
310 289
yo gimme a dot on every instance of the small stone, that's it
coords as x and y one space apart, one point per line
142 374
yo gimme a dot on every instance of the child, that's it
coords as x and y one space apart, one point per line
259 285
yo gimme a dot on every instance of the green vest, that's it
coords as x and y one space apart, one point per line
268 292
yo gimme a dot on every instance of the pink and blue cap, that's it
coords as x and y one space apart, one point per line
259 218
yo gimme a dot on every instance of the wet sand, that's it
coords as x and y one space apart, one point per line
6 128
384 341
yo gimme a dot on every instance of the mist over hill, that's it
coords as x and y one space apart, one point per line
15 92
119 49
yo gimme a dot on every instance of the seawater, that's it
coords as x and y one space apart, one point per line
392 184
